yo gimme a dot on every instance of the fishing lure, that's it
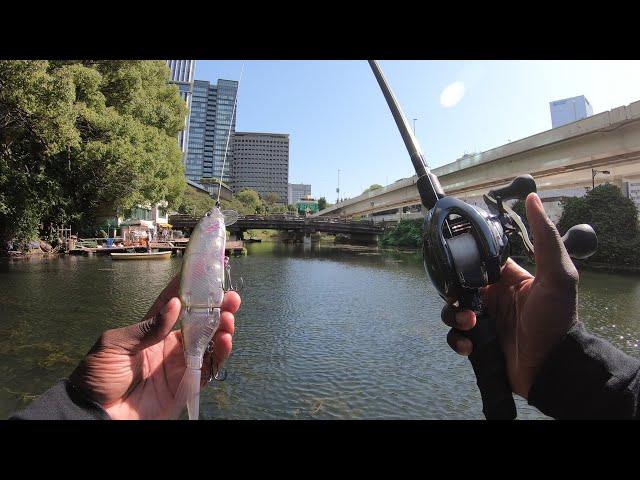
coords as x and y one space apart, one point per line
202 288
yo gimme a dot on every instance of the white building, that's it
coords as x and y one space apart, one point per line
569 110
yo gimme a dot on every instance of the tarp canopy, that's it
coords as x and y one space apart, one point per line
164 225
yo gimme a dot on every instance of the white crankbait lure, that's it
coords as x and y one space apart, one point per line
201 293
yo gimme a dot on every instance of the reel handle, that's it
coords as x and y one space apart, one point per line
580 241
519 188
487 360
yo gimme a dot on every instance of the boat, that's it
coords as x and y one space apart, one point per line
141 255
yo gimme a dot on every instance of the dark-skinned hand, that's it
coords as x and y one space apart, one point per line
134 372
532 314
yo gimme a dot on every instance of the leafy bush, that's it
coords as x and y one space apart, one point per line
615 220
407 233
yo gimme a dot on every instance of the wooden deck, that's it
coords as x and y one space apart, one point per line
235 247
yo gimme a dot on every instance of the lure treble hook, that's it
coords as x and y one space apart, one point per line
220 375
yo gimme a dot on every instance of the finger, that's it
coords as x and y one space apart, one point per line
513 274
552 260
170 291
227 323
231 302
459 343
222 344
460 319
144 334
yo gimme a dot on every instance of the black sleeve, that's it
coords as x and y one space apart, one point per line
62 402
586 377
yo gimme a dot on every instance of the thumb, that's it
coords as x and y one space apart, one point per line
552 260
144 334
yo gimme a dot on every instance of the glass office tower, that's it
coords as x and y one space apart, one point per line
182 72
210 122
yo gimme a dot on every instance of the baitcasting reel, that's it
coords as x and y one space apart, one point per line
464 249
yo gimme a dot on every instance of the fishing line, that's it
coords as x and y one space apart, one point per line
226 148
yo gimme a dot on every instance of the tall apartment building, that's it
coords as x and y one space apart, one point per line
261 162
569 110
296 191
209 125
182 72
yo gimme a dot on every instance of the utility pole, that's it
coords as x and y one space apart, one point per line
414 126
338 189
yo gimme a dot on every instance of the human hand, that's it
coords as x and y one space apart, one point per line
134 372
532 314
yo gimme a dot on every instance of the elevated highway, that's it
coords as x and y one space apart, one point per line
561 161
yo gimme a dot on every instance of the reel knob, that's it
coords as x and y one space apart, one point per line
580 241
519 188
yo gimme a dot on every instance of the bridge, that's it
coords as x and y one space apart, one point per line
363 231
561 160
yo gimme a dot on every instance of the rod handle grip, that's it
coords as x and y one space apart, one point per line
488 362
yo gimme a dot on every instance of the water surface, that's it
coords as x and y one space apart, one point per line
324 332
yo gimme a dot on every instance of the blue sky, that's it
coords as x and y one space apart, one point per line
337 117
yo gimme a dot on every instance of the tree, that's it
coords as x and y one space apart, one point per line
322 203
375 186
196 203
271 198
76 136
614 218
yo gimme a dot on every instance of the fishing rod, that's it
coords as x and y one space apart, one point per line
464 248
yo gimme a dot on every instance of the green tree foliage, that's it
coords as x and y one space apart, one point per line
407 233
250 199
271 198
76 136
196 203
375 186
322 203
614 219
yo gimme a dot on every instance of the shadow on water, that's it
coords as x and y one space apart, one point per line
324 331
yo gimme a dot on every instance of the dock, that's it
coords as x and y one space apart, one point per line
177 247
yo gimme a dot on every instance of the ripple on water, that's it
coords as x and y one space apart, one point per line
322 333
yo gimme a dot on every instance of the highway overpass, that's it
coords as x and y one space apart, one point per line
560 160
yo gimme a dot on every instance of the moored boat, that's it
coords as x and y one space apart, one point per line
141 255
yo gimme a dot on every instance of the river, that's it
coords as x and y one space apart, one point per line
324 332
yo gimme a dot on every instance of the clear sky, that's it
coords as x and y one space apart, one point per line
337 117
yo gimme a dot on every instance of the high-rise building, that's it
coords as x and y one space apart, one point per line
297 191
569 110
261 162
182 72
209 126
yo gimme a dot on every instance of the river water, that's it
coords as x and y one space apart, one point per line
324 332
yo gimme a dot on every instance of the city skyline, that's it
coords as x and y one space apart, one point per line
337 117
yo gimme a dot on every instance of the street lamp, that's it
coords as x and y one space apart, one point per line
593 176
414 126
338 189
